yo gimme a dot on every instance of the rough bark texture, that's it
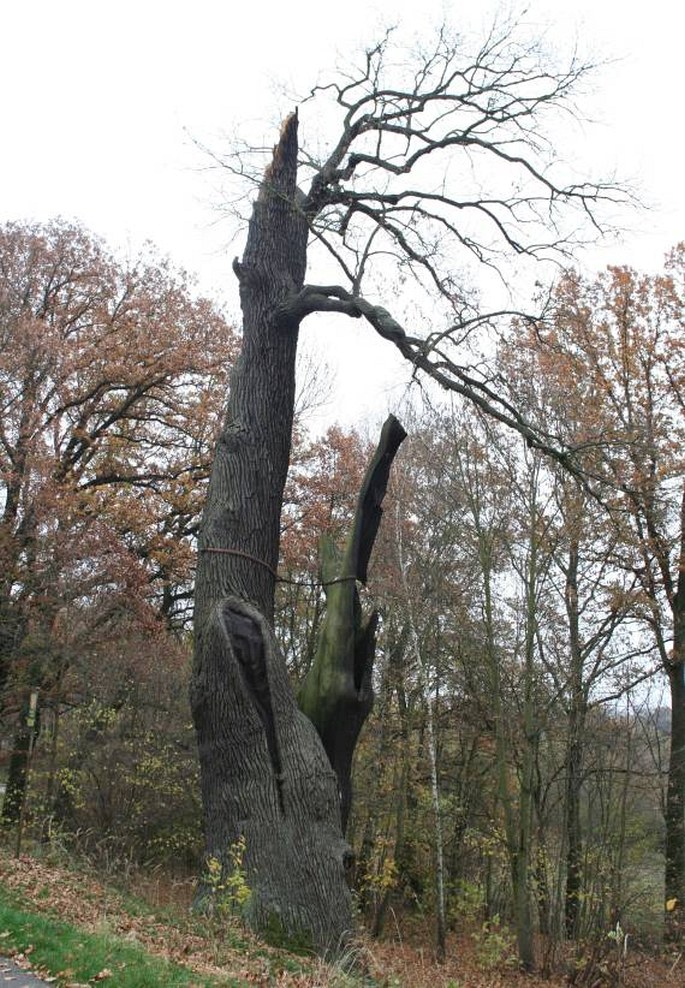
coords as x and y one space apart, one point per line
337 695
265 777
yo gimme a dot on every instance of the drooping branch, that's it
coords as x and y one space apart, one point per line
428 356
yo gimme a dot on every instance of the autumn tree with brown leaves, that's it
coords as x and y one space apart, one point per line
112 377
613 346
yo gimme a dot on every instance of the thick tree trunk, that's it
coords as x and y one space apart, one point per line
266 781
337 695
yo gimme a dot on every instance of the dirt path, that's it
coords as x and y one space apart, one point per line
11 974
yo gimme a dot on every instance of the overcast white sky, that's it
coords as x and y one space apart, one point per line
98 96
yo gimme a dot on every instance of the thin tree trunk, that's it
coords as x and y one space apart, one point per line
440 911
523 860
574 841
675 792
574 752
675 800
16 777
517 830
17 773
517 826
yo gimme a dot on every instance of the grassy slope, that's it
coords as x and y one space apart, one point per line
76 923
65 951
85 928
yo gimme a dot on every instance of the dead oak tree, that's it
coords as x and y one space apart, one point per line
266 780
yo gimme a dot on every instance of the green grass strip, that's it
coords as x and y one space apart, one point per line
77 956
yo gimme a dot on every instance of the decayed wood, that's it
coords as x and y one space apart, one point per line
337 694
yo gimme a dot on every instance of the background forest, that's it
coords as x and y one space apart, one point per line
511 782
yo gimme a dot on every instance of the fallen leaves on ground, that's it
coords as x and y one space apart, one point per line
82 900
